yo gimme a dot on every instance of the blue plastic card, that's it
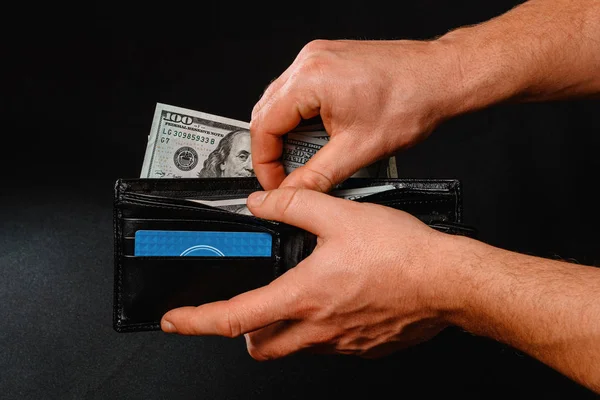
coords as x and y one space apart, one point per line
202 244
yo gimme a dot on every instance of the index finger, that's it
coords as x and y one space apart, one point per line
281 113
241 314
266 138
267 147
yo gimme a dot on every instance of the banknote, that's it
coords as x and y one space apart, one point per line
385 168
357 193
238 205
298 149
315 134
185 143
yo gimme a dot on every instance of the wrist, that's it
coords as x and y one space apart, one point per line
453 276
479 73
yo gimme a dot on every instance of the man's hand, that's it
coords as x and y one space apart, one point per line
374 98
372 285
377 97
380 280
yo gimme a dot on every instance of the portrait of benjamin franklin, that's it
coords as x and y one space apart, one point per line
231 158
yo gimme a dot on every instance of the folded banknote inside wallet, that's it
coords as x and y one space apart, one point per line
185 242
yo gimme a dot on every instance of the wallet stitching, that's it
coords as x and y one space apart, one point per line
419 201
458 196
208 184
137 327
118 253
119 277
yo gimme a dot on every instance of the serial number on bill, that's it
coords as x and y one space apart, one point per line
185 135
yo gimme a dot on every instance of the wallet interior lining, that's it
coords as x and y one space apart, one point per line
157 284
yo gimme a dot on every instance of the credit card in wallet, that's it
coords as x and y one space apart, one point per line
202 244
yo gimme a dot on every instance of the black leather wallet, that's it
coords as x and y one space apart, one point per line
148 286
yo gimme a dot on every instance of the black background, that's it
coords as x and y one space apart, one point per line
78 99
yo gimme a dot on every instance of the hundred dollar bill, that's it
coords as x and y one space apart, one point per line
238 205
357 193
391 168
316 134
387 167
299 147
185 143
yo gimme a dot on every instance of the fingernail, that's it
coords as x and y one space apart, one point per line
168 327
256 199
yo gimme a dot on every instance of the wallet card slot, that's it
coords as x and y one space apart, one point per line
199 248
132 225
174 208
148 287
186 199
190 187
153 200
129 251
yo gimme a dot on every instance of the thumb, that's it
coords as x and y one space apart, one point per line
310 210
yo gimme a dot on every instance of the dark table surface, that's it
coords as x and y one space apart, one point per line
80 96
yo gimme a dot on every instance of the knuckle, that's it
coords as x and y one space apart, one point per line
286 200
229 325
301 298
313 58
315 46
269 90
312 66
257 107
321 181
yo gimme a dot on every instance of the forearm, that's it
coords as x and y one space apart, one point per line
540 50
546 308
